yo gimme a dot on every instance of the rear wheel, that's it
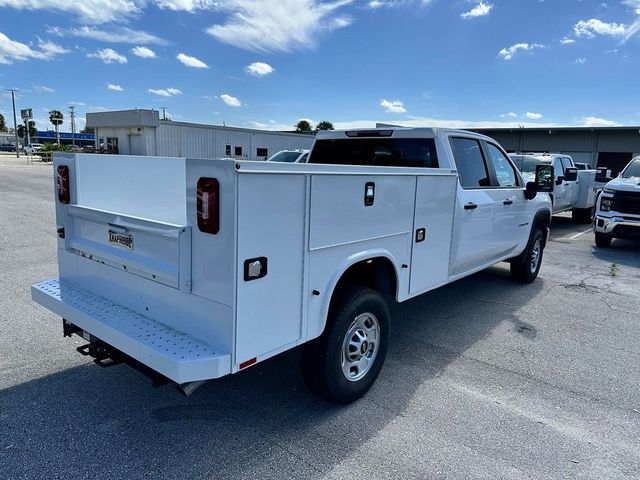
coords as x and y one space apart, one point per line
342 364
603 240
525 268
583 215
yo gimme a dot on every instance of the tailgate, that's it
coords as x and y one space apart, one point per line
158 251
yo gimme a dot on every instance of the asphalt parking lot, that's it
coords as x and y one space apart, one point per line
485 378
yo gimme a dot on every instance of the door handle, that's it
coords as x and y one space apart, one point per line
508 201
470 206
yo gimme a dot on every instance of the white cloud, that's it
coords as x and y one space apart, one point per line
115 87
192 62
567 41
509 53
88 11
165 92
187 5
43 89
277 25
11 50
581 60
533 115
375 4
392 106
509 115
112 35
593 27
143 52
231 101
259 69
108 55
598 122
480 10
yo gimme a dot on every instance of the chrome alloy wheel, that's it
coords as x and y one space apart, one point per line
536 253
360 346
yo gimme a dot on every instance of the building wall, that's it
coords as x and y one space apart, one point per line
210 142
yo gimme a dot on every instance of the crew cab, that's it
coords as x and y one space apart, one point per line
618 207
576 188
201 268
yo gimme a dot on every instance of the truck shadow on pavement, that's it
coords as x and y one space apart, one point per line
88 421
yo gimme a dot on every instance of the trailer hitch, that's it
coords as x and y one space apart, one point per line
103 355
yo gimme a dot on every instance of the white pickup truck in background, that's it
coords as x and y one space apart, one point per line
576 189
618 208
201 268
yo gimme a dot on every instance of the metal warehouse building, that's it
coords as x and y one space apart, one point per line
142 132
610 147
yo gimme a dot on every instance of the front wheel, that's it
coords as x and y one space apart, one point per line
525 267
603 240
342 364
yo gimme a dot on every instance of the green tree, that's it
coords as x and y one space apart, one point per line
324 125
56 118
3 125
33 131
88 130
303 126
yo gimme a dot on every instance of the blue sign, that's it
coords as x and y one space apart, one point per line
65 135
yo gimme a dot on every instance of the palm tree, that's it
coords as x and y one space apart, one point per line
324 125
303 126
3 125
56 118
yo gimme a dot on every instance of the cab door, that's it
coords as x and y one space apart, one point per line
478 223
560 201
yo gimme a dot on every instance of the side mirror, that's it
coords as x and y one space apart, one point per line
559 180
571 174
543 182
603 175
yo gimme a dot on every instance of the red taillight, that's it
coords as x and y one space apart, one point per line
208 207
64 194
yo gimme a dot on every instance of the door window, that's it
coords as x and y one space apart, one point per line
566 163
470 161
557 166
504 170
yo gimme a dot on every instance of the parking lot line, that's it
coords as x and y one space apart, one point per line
573 237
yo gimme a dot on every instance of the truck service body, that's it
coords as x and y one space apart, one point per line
199 268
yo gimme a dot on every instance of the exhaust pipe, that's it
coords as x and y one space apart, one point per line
188 388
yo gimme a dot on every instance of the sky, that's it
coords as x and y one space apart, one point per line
269 63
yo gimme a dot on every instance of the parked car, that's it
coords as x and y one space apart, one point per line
33 148
290 156
618 207
575 190
234 262
7 147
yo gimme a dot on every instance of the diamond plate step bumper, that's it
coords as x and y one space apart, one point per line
174 354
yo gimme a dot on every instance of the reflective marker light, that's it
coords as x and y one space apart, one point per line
208 205
62 185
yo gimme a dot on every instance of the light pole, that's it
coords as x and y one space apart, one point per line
15 121
73 124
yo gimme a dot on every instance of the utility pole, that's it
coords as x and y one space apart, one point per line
15 121
164 115
73 124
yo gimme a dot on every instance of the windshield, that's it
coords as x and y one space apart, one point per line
387 152
633 169
288 157
529 165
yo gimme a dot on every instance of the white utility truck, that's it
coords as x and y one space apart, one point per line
618 208
197 268
575 190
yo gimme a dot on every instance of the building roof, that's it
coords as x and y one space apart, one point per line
556 129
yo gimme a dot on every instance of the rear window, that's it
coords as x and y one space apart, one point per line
385 152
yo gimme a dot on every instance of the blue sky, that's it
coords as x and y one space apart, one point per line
267 64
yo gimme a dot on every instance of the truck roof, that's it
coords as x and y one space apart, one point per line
395 132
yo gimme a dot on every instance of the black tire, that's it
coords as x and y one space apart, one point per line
583 215
324 359
525 267
603 240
